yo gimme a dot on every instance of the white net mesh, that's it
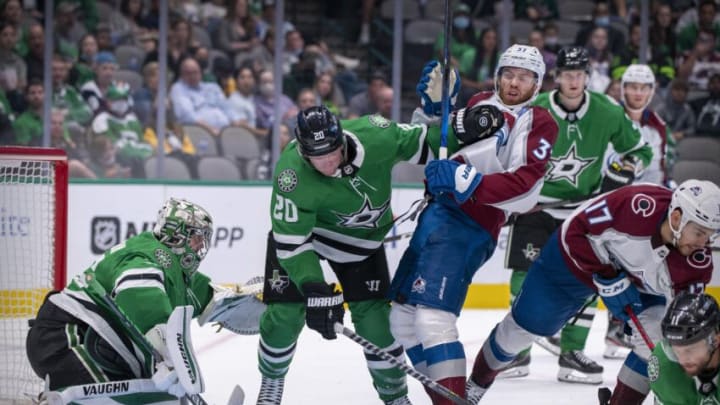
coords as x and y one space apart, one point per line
27 224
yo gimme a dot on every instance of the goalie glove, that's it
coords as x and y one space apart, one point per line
450 176
323 308
479 122
236 309
429 88
177 372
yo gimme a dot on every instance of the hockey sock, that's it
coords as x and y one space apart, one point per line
575 333
454 384
280 326
516 282
624 395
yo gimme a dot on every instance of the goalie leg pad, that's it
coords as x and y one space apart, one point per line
180 350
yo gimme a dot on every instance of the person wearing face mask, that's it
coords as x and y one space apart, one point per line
463 34
122 126
601 18
265 102
536 10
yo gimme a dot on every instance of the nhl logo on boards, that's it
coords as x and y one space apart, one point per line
163 258
287 180
418 286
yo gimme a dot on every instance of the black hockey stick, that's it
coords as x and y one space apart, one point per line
445 96
425 380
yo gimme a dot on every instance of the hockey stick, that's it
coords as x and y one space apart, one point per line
639 327
445 97
425 380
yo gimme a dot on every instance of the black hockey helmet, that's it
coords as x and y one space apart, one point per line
318 131
690 318
573 58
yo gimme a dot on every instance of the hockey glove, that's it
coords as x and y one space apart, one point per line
323 308
430 88
477 123
616 177
449 176
617 293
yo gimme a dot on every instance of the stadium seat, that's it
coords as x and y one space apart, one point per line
240 146
218 168
205 143
130 57
411 10
696 169
576 10
132 78
699 148
201 35
567 31
173 169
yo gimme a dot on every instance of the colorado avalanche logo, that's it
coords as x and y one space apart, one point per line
695 190
699 259
643 204
418 285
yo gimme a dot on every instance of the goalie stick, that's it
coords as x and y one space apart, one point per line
425 380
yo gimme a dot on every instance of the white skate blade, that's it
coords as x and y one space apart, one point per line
571 375
515 372
237 397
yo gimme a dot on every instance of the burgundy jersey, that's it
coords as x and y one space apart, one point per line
620 230
513 169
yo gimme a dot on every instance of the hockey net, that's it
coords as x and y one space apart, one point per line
33 227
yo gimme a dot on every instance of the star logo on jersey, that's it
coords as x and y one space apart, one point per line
531 252
653 368
287 180
568 167
279 283
366 217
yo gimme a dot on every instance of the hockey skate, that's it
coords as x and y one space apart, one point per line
520 367
549 343
617 345
474 392
271 391
576 367
399 401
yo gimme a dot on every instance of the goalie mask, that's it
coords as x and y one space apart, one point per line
699 202
185 228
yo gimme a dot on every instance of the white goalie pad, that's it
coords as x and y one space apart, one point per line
238 309
180 350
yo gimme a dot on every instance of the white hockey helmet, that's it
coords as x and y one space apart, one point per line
699 201
636 73
526 57
177 222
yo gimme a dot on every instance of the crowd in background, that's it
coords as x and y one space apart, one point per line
105 71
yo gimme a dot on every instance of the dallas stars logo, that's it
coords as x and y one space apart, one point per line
568 167
531 252
366 217
279 283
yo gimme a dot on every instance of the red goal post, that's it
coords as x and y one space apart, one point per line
33 252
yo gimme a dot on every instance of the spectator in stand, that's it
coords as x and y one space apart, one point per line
122 127
367 102
125 26
294 46
600 59
201 103
704 18
613 90
103 36
701 62
537 39
151 17
676 111
177 143
265 102
68 31
144 98
267 19
663 40
66 98
237 33
103 160
28 125
385 102
11 12
366 14
181 45
552 42
463 34
306 98
477 65
328 95
34 60
60 138
536 11
94 91
89 13
13 71
243 100
82 71
661 64
601 18
707 110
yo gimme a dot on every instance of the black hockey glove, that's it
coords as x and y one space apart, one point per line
616 177
477 123
323 308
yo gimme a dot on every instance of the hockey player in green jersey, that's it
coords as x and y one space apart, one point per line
331 201
82 346
684 366
588 123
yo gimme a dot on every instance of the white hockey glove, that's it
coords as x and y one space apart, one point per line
430 88
177 372
236 309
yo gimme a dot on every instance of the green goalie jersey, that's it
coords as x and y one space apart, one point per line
343 218
577 162
672 386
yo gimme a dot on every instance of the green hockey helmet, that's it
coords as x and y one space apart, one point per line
178 222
